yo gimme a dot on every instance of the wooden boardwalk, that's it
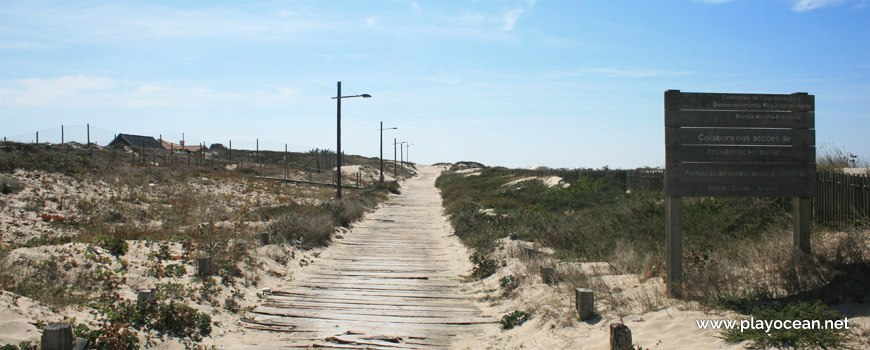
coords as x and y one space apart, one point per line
391 283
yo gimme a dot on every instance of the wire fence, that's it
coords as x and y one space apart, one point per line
316 166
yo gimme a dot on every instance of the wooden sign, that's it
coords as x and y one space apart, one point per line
738 141
737 145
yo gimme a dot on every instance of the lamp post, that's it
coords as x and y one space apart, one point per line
338 98
382 149
395 161
402 153
408 153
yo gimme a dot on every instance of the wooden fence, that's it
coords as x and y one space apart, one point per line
840 200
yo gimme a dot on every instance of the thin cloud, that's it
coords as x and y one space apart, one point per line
809 5
627 73
84 91
510 19
371 22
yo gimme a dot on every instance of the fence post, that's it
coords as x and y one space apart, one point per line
674 245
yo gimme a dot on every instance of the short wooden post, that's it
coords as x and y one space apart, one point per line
548 274
584 302
802 214
57 336
203 266
146 295
81 343
674 246
620 337
529 252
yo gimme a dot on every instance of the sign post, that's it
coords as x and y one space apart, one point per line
737 145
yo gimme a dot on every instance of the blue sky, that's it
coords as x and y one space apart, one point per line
512 83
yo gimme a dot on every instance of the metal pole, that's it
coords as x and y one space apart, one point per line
381 144
61 134
231 150
89 133
286 167
338 144
37 137
395 164
402 153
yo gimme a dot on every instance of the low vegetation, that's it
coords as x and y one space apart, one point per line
737 251
102 227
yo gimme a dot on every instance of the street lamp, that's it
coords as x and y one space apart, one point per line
408 153
402 153
338 98
382 149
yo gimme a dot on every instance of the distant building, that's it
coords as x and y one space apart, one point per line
177 147
135 141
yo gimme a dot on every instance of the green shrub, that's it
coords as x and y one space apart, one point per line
170 318
483 266
391 187
9 185
508 283
108 335
514 319
304 227
114 245
794 338
25 345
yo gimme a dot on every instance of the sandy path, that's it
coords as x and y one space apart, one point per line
392 282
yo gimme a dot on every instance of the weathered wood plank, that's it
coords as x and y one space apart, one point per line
741 154
744 137
742 119
748 102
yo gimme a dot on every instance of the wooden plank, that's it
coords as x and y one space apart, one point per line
750 102
394 319
741 119
744 154
745 189
747 137
727 173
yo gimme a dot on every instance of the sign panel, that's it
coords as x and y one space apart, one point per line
727 172
744 189
738 154
746 102
757 137
739 144
739 119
